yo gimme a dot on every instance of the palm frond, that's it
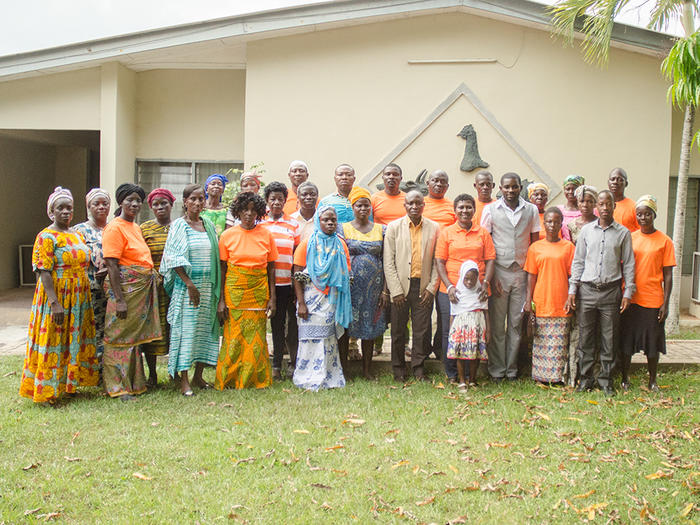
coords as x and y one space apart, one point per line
682 68
664 11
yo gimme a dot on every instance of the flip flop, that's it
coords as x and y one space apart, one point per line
188 393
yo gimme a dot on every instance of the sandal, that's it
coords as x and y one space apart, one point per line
462 387
188 393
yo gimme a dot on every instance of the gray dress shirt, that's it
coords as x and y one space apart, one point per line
603 255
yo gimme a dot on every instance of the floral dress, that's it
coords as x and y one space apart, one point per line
60 358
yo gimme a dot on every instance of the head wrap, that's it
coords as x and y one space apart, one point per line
649 201
574 179
583 189
462 290
58 193
160 192
356 193
251 175
298 163
94 193
534 186
123 191
327 266
215 176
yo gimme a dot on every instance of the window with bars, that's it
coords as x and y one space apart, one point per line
175 175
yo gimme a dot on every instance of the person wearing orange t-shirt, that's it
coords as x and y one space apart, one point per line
484 185
642 325
298 174
625 212
548 265
387 204
464 240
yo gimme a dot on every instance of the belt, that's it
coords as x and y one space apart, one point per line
604 286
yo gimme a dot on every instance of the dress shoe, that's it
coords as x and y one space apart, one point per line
584 386
608 391
625 386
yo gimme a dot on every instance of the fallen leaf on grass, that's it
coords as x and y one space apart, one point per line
453 469
311 467
334 448
30 467
301 431
239 461
211 404
49 516
460 519
354 422
140 476
326 506
659 474
583 496
573 419
399 464
10 374
498 445
321 486
439 386
592 401
32 511
686 510
544 416
392 431
474 485
340 472
425 502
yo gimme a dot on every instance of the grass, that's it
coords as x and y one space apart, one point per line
375 451
690 333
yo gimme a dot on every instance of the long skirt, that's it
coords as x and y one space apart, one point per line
122 361
243 360
550 349
641 331
318 360
467 339
99 306
160 346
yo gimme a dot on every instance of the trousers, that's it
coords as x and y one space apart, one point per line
450 365
506 313
420 324
285 317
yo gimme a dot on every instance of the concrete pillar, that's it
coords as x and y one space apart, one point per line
117 126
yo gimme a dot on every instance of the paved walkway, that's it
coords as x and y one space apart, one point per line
15 306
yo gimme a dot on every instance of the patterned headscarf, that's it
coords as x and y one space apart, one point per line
215 176
251 175
574 179
160 192
58 193
356 193
649 201
533 187
94 193
583 189
327 266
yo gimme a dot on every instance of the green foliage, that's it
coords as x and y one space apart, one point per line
234 182
665 11
682 68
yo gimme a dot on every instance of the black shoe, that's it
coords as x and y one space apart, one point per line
625 386
584 386
608 391
496 380
511 379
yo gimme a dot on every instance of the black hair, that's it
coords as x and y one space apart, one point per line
512 175
464 197
608 193
484 173
190 189
123 191
554 209
307 184
242 201
275 186
393 165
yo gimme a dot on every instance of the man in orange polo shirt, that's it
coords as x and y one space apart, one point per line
388 204
624 213
483 184
298 173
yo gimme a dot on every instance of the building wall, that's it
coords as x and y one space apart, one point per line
190 114
59 101
350 96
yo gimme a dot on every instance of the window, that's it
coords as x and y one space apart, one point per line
175 175
691 238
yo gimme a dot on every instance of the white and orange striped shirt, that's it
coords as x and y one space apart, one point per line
286 232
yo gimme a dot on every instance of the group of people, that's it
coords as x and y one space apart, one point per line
588 282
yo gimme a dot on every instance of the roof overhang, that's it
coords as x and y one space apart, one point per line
220 43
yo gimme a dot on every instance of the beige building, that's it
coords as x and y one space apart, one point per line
360 82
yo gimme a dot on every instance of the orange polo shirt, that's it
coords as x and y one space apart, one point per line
551 263
626 214
387 208
440 210
416 248
456 245
479 209
124 241
652 252
250 248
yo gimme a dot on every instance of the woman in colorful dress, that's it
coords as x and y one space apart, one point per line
192 276
214 210
61 340
324 307
587 197
247 252
548 265
642 326
368 292
97 202
538 194
132 317
154 233
570 209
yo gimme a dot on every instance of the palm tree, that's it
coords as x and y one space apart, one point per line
595 19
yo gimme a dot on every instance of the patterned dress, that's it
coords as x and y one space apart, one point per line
60 358
218 218
368 280
194 331
93 240
155 235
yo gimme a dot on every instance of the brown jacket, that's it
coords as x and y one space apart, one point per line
397 257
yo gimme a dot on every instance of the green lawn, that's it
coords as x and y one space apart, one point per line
373 452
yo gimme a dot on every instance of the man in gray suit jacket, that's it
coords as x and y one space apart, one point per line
412 280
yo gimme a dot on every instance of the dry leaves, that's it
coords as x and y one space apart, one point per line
142 477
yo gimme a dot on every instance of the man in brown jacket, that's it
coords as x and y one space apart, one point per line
411 276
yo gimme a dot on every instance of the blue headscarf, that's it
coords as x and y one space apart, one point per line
215 176
327 265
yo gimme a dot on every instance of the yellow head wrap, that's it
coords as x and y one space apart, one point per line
533 187
649 201
356 193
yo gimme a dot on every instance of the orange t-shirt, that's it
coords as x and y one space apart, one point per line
479 210
250 248
651 253
455 245
387 208
440 210
551 262
626 214
123 240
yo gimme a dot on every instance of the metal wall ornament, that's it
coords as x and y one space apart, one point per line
471 160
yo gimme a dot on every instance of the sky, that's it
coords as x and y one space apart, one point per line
41 24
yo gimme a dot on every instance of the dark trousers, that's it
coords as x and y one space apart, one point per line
601 307
420 324
443 302
285 316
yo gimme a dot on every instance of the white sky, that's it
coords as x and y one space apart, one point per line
39 24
